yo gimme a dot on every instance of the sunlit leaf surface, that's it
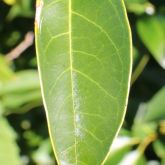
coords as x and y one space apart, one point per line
84 60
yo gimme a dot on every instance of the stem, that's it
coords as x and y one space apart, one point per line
142 147
19 49
139 69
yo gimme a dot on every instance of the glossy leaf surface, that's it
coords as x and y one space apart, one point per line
84 58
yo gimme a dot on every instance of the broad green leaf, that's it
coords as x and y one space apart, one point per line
21 92
120 147
152 33
133 158
156 107
5 70
159 146
140 6
9 153
154 110
84 60
23 81
21 102
116 157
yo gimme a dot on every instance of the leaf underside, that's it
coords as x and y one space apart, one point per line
84 58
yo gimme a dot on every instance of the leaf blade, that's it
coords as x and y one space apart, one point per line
8 144
154 43
81 77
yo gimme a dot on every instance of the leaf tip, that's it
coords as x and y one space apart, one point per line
39 6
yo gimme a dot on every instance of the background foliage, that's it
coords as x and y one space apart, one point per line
24 137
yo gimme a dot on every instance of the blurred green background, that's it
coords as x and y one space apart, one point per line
24 136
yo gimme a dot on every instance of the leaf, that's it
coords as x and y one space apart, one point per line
120 147
84 62
42 156
21 102
143 130
152 33
159 147
133 158
9 153
156 107
140 7
5 71
10 2
154 110
21 8
21 92
163 161
22 81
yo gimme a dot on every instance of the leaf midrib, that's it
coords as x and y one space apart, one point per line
71 74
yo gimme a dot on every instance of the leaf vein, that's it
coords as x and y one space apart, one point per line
92 115
53 38
91 134
102 30
96 83
57 79
67 149
89 54
52 3
63 104
71 66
